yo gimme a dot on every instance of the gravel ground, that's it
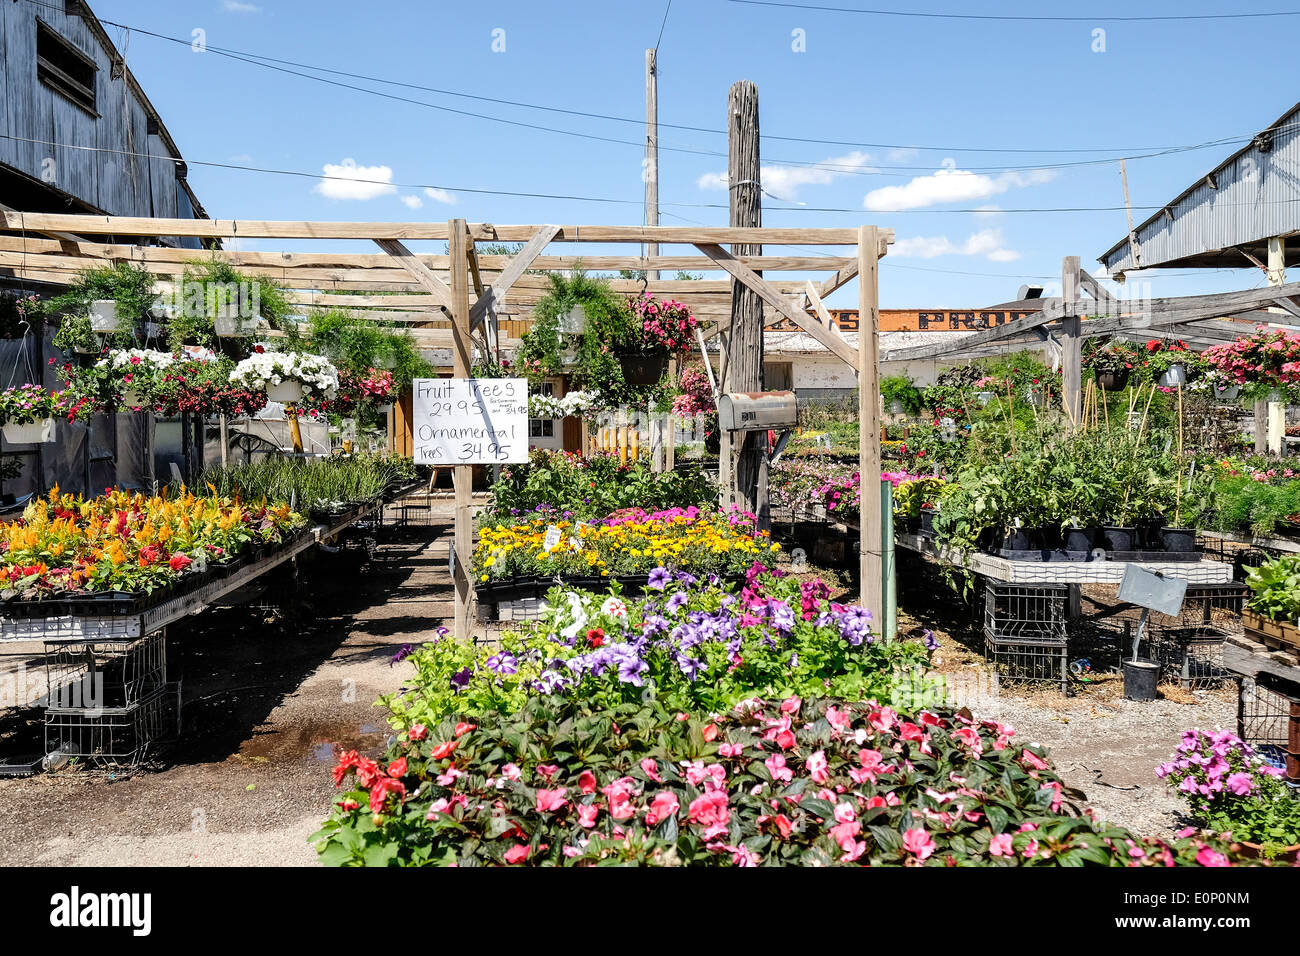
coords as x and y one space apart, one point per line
269 696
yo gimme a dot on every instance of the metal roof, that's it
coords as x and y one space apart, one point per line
1250 197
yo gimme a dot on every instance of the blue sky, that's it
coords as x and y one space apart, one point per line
962 86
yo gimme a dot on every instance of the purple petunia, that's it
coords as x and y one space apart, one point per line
659 579
503 663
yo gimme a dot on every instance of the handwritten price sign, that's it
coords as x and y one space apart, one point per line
470 421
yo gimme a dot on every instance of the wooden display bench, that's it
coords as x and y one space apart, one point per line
1281 636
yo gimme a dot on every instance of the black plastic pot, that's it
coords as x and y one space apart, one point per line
927 520
1178 540
644 368
1112 381
1080 539
1116 538
1140 679
1020 539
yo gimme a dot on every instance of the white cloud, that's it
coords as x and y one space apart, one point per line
440 195
412 202
987 243
235 6
783 182
347 180
950 184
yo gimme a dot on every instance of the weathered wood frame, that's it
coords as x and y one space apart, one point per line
434 297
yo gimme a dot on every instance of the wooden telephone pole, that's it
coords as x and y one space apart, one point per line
745 341
652 152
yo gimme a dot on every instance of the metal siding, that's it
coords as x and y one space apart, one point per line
110 179
1257 199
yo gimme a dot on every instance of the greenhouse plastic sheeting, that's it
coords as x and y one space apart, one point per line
84 457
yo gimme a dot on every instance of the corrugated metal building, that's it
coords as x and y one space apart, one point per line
1226 218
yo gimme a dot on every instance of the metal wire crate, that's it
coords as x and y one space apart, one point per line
1025 613
1266 708
113 736
1191 656
1031 661
1215 607
105 673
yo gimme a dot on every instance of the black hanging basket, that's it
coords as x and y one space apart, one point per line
644 367
1113 381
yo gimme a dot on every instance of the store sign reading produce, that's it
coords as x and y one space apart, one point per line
470 421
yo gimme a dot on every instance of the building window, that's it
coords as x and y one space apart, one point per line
64 68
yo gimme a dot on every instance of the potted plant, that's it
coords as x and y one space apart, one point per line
27 414
1112 364
901 395
288 377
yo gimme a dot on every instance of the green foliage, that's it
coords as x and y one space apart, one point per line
356 345
207 286
1257 507
130 286
568 782
1276 588
310 482
611 327
901 389
593 486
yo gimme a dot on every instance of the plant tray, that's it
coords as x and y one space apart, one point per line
1269 632
26 765
1137 557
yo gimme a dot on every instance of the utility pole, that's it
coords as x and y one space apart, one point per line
652 152
745 340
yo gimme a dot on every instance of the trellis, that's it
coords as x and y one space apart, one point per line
458 300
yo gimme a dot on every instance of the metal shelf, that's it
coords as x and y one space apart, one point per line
88 628
1063 572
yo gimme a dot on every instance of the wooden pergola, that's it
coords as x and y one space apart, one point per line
460 299
1086 310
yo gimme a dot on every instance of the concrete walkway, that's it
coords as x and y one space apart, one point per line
267 699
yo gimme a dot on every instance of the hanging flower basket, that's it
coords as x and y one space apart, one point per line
288 376
1113 381
103 315
286 392
645 367
31 433
574 322
1227 393
1175 375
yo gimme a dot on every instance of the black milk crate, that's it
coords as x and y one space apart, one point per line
105 673
113 736
1025 613
1264 707
1028 661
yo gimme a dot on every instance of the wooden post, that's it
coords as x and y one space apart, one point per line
1072 347
869 565
1261 427
652 153
745 343
1276 410
462 476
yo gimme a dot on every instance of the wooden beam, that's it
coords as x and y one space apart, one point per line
517 266
479 232
427 280
776 300
1007 330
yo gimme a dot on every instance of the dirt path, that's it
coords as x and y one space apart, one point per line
267 697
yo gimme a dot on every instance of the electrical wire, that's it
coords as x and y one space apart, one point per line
281 65
1021 19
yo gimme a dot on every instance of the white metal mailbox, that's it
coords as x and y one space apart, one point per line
757 411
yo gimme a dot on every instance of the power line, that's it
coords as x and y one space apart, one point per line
1026 19
662 25
281 65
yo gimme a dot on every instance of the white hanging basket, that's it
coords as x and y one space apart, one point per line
103 315
1176 375
33 433
286 392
